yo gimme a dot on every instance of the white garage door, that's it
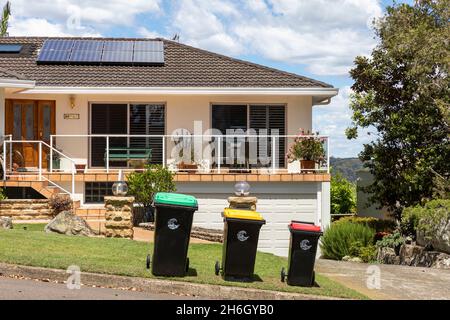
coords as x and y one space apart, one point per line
278 210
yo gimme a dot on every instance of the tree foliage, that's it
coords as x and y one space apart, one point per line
402 91
343 195
4 24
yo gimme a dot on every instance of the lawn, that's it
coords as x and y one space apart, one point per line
29 245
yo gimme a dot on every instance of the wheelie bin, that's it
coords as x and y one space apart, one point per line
302 254
174 213
241 233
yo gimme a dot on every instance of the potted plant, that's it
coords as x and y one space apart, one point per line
307 149
143 185
190 166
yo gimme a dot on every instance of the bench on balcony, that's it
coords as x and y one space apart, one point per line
129 155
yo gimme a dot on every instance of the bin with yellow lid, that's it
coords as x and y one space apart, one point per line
240 241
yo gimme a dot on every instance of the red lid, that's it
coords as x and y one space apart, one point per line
304 227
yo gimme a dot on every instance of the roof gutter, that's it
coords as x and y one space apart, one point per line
15 83
323 93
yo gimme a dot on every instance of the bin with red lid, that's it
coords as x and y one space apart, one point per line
302 254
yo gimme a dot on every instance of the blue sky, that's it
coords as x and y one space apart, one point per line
315 38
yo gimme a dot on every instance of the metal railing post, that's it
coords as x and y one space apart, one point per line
107 154
328 154
40 161
273 155
10 154
164 151
4 160
219 153
51 154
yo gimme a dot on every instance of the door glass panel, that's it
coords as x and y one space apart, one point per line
17 125
29 122
46 122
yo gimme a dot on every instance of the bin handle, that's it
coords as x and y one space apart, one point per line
298 221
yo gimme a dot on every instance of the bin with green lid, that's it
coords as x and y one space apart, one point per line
174 213
240 242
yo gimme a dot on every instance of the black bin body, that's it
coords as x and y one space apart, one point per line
302 253
240 244
173 226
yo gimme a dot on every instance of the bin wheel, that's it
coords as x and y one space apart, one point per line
187 265
217 268
282 274
148 261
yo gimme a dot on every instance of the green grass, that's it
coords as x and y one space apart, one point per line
33 247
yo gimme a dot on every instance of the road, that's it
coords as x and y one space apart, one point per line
18 289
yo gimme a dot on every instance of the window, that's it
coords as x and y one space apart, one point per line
95 192
10 48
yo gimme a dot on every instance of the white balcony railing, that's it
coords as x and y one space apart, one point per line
186 153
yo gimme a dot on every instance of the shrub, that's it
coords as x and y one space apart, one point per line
379 225
339 238
425 219
307 146
2 195
59 203
367 253
143 185
343 195
394 240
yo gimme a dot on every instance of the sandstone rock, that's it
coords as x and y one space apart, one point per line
6 223
69 224
352 259
245 203
119 217
387 256
441 237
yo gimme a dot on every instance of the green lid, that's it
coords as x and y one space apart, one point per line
176 199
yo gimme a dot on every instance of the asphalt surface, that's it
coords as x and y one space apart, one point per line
18 289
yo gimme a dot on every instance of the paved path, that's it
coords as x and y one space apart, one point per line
397 282
15 289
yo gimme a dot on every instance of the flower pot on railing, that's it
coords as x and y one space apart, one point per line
187 167
307 164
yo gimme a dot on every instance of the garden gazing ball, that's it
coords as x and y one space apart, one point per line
242 188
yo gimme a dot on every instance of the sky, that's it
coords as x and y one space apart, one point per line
314 38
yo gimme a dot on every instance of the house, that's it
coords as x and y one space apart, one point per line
100 105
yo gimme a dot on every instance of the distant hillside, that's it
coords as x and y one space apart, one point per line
346 166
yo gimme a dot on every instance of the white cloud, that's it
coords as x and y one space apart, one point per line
333 119
76 17
324 35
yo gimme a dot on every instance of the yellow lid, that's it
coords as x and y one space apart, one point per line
242 214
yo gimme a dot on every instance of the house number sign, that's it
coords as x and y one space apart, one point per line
71 116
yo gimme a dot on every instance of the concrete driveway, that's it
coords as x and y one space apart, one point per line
396 282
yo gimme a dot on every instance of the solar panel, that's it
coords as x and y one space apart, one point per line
148 46
143 57
118 46
86 56
54 56
88 45
55 44
90 51
117 56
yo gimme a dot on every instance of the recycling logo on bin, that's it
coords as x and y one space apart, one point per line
173 224
242 235
305 245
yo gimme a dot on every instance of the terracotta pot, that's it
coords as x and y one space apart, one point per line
308 164
187 167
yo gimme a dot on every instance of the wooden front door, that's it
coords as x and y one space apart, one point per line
30 120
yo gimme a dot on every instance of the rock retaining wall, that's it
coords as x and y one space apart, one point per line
414 255
26 209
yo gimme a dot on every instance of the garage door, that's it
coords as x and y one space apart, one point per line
277 209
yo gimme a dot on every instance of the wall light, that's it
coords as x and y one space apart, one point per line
72 102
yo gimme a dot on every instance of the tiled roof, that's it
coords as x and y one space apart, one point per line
184 66
6 74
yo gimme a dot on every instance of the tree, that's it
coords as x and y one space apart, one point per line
402 91
5 19
343 195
